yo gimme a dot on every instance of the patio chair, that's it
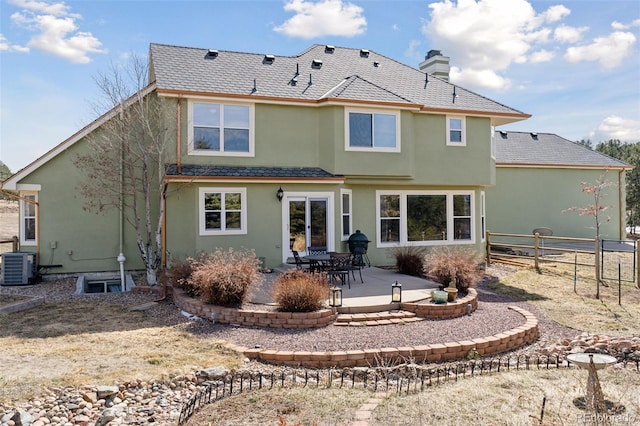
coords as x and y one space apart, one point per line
358 261
300 263
340 268
316 250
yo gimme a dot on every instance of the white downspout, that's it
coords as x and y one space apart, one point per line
121 257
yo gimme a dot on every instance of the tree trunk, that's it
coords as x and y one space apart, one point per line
152 275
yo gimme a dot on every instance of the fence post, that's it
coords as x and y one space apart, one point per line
536 251
597 264
488 237
637 264
15 243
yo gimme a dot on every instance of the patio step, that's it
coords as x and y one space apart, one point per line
376 318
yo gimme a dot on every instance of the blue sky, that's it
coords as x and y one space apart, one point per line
574 65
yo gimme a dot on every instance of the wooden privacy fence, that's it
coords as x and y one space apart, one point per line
400 379
605 255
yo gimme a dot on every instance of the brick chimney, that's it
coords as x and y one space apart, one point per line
436 64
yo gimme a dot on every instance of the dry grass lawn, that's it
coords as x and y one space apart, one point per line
552 290
91 343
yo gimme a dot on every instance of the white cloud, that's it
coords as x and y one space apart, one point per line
413 50
541 56
614 127
485 37
620 26
555 13
323 18
567 34
55 30
5 46
480 78
609 51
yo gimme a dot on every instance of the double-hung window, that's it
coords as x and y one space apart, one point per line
221 129
372 131
456 135
223 211
425 217
28 219
346 213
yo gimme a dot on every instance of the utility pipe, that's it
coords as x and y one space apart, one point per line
121 257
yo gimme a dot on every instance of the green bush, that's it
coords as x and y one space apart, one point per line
224 277
299 291
409 260
443 264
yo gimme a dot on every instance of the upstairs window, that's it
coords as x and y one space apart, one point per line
221 129
372 131
455 131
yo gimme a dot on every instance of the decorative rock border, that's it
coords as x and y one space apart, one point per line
448 351
460 307
247 317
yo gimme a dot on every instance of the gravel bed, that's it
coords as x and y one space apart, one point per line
491 317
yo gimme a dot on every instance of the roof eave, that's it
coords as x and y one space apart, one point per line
564 166
253 179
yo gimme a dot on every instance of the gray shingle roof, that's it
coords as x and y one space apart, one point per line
547 149
249 172
344 73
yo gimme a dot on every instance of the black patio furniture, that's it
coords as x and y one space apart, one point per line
358 261
313 250
302 264
340 266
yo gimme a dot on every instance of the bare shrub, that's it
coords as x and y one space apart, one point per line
298 291
443 264
409 260
179 276
224 277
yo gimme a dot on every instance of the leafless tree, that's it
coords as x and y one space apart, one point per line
597 209
124 168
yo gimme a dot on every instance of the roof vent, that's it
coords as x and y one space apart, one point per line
503 133
534 135
268 59
376 64
212 53
316 63
329 48
364 53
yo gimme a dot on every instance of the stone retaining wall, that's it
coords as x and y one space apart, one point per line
448 351
269 319
461 306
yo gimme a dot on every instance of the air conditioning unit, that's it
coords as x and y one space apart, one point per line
18 268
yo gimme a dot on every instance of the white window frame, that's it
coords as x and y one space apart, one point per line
243 211
33 196
348 214
348 147
404 241
463 125
191 148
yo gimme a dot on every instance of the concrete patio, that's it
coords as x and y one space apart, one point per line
373 295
